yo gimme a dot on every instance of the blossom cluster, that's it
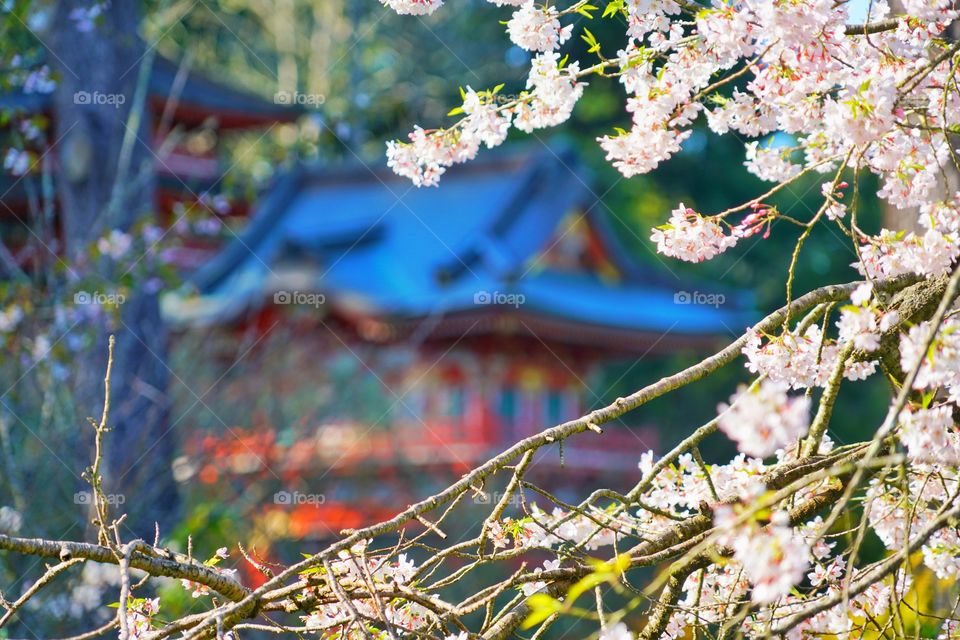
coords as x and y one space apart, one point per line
764 418
929 436
553 90
543 530
690 236
939 365
778 565
800 360
774 557
837 96
413 7
196 589
140 613
863 323
930 253
537 28
354 568
898 510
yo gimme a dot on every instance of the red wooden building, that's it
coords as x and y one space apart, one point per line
478 313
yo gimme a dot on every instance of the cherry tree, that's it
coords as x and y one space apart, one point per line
771 543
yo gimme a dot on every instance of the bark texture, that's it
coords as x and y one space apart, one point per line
106 180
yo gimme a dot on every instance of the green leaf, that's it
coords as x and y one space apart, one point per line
586 9
587 583
542 606
455 111
622 563
603 572
613 8
591 40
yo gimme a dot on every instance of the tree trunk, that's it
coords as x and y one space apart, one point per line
102 185
906 219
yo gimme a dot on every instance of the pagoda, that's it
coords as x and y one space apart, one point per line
479 312
180 102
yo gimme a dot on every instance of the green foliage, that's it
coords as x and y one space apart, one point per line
543 605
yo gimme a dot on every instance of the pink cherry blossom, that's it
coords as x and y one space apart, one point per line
774 558
413 7
536 27
691 237
763 419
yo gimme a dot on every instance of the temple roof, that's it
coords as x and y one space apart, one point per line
198 98
378 248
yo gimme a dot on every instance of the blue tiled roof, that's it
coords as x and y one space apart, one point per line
373 244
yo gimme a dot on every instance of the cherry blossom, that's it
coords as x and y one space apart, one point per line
764 418
930 9
950 630
486 123
770 163
825 574
802 361
537 28
928 435
554 90
898 509
351 566
618 631
939 366
774 558
198 589
140 615
642 150
546 530
691 237
413 7
530 588
798 82
863 323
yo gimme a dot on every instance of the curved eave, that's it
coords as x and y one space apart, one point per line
555 330
198 99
